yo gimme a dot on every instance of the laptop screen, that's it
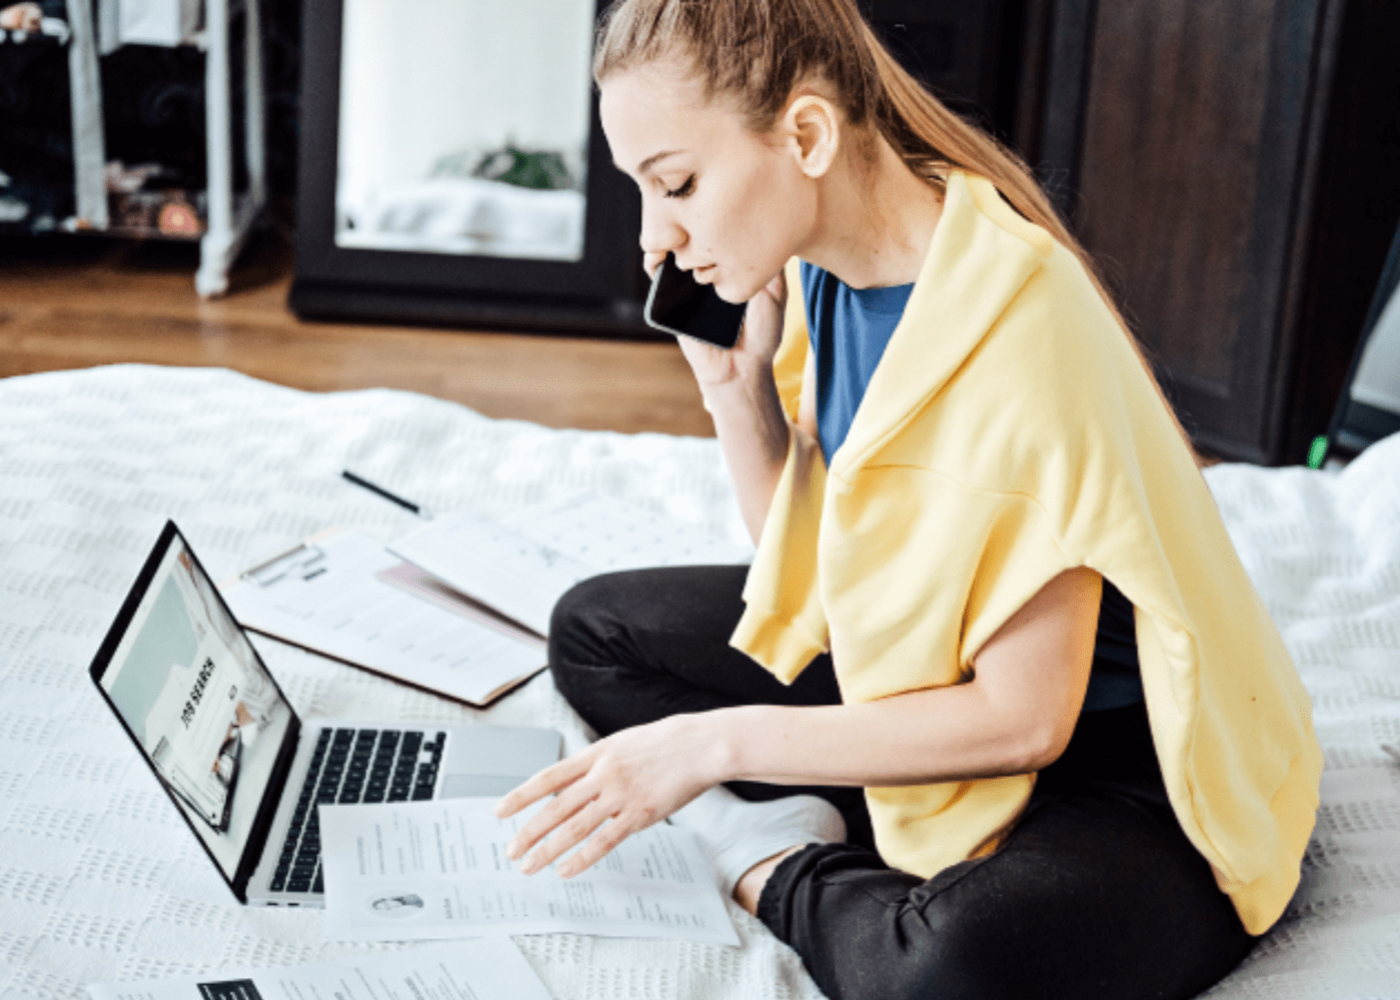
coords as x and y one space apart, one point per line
196 698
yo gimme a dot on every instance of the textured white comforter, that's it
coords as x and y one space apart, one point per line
100 880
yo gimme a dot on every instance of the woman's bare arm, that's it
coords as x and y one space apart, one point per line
753 432
1014 716
742 398
753 436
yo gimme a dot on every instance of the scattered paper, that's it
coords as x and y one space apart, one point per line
438 869
344 595
520 578
487 969
608 534
523 564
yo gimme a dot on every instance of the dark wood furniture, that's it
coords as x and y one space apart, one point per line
1232 166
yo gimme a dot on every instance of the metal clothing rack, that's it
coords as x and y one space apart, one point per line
230 215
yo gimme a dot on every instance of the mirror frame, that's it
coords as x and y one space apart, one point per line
602 293
1357 425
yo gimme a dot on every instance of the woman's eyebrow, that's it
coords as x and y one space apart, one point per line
652 160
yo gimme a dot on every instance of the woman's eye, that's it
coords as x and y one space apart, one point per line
684 190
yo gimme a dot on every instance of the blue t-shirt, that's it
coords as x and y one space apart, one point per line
849 329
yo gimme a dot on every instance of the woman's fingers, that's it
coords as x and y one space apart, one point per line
565 805
566 836
604 839
778 288
763 319
651 261
546 782
619 785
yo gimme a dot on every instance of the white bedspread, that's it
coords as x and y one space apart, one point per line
100 880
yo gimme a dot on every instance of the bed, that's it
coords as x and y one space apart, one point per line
99 880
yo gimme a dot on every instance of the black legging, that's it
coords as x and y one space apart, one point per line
1096 892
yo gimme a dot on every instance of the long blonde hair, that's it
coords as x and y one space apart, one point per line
755 52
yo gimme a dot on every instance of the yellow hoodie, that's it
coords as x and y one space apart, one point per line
1010 433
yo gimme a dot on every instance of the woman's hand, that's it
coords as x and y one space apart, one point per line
758 340
621 784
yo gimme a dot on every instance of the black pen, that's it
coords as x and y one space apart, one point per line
418 509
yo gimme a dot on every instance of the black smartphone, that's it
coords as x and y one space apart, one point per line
678 304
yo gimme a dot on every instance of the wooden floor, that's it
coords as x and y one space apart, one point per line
75 302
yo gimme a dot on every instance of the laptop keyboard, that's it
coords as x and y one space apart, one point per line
350 765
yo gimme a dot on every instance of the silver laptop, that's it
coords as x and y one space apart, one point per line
241 767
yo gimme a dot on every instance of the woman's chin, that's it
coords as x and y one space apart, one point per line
732 293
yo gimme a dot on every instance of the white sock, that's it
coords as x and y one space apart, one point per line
736 835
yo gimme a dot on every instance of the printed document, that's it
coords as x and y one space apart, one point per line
438 869
489 969
522 565
343 594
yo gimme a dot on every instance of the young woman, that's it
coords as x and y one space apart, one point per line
991 588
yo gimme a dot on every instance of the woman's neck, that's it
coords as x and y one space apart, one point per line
874 222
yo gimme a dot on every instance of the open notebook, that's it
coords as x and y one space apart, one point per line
461 605
522 566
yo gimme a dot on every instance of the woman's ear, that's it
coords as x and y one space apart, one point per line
814 129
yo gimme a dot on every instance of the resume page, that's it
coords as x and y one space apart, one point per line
438 869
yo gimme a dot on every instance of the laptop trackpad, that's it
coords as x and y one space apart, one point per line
460 786
491 760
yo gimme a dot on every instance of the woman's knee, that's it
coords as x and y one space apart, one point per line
577 611
582 627
629 618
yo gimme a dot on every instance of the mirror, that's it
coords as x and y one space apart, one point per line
464 127
1369 406
452 170
1377 382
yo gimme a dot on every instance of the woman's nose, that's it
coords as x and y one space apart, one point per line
660 231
